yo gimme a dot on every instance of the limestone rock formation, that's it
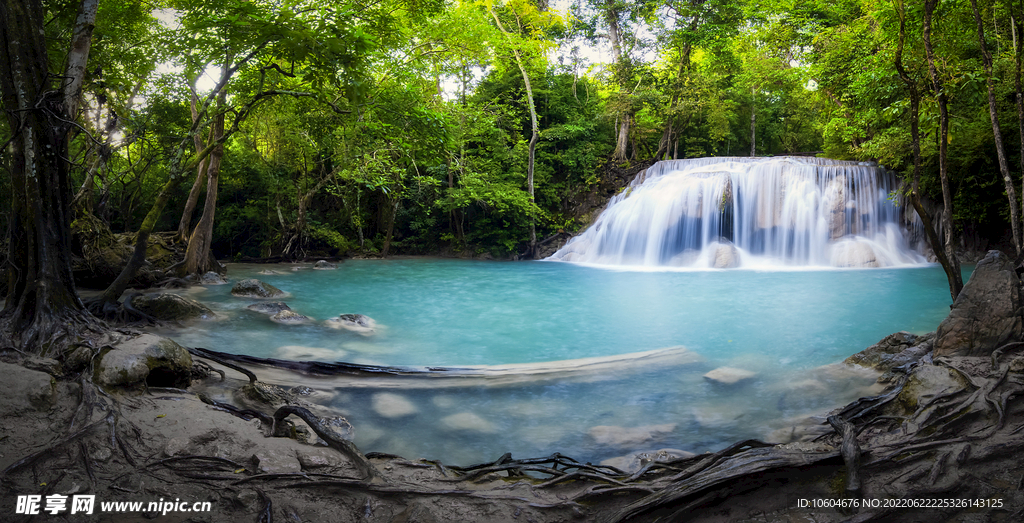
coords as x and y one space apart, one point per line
986 314
253 288
725 256
145 359
170 307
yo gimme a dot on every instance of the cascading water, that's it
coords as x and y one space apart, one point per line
728 212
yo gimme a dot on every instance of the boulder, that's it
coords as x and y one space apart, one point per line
269 307
364 325
144 359
986 314
854 253
170 307
729 375
289 317
725 256
253 288
325 265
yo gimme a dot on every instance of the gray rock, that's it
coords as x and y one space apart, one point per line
325 265
391 405
725 256
986 314
628 436
338 425
171 307
253 288
273 461
25 390
269 307
212 278
290 317
144 359
634 462
729 375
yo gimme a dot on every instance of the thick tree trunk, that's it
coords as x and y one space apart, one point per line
620 71
42 307
952 276
947 193
1018 47
1004 166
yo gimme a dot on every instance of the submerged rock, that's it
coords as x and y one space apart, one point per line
628 436
290 317
253 288
171 307
986 314
268 272
325 265
269 307
359 323
213 278
392 405
145 359
729 375
467 421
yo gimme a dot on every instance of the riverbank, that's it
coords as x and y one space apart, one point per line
948 429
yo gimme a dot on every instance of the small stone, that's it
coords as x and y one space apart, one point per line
729 375
325 265
467 421
268 272
392 405
171 307
101 454
357 323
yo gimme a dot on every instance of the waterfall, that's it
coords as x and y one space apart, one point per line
751 212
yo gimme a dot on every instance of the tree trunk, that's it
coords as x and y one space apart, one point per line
1018 46
952 276
185 224
1004 166
42 308
534 137
620 71
753 127
198 260
940 94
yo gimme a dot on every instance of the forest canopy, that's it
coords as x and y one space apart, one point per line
333 128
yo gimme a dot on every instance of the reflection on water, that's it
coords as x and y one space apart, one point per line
505 331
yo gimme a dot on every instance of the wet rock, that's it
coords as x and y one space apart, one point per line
268 272
628 436
171 307
986 314
265 393
253 288
357 323
725 256
213 278
318 458
729 375
145 359
854 253
892 352
176 446
290 317
269 307
32 390
325 265
927 381
392 405
467 421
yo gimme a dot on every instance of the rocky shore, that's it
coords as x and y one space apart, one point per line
120 419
